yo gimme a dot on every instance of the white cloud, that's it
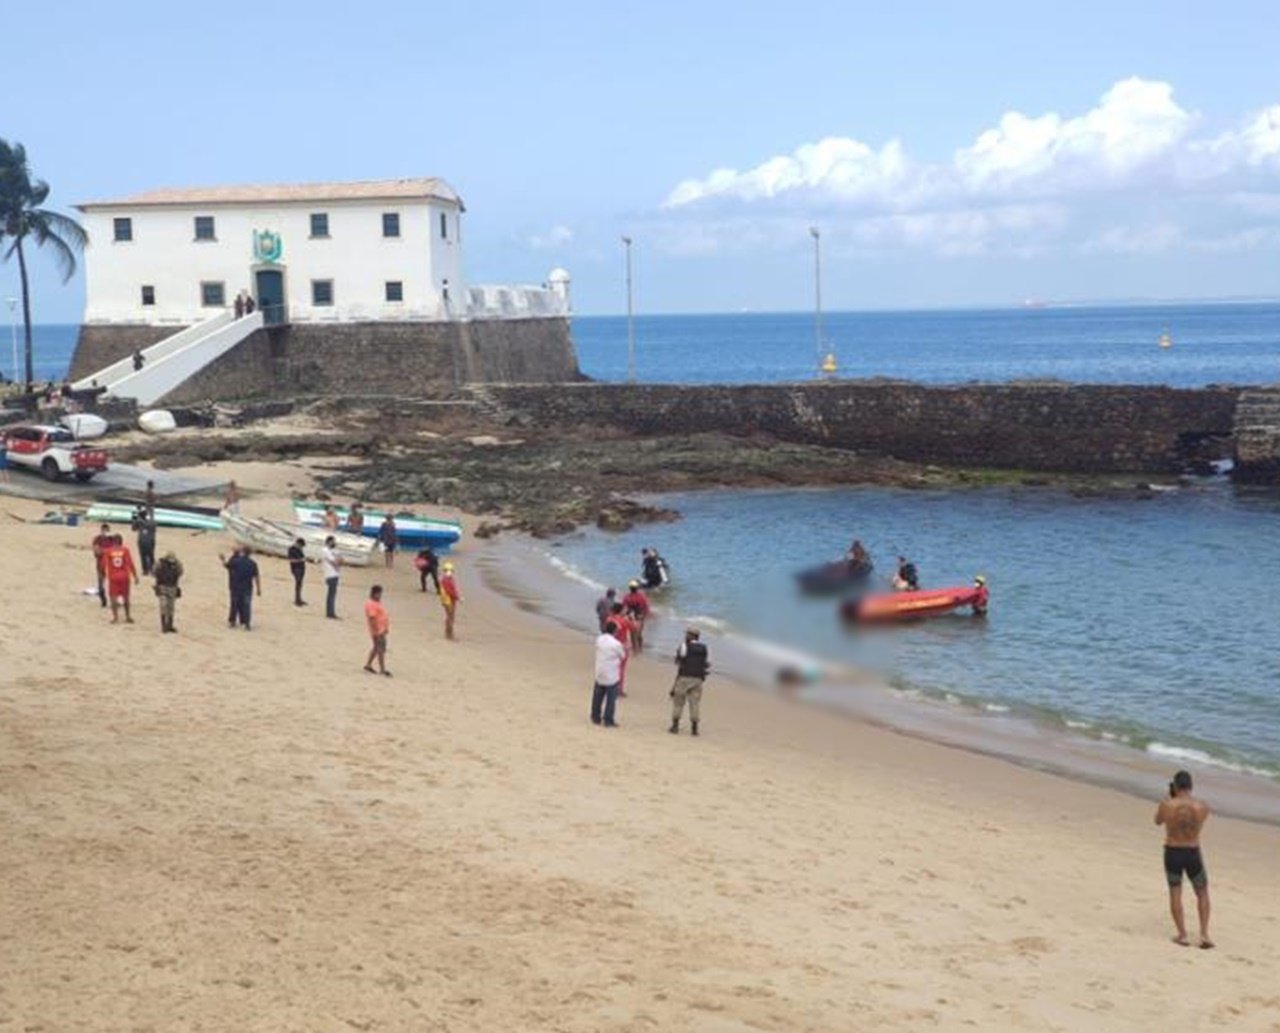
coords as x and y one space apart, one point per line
1127 176
557 236
1135 123
846 169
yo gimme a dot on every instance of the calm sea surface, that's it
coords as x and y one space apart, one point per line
1213 344
1151 623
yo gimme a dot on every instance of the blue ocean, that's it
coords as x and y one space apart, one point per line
1149 623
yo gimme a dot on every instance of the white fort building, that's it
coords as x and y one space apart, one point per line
167 270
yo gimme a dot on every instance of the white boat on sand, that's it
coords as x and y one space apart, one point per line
274 537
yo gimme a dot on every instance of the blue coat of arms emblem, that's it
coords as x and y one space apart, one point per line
267 246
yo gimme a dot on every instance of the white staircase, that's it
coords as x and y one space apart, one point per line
170 362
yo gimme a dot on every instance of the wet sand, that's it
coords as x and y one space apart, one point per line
222 830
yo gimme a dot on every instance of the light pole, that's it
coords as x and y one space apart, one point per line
13 330
817 290
631 319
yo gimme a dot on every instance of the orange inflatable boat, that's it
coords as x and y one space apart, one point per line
905 606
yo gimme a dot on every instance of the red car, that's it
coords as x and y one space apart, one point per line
53 451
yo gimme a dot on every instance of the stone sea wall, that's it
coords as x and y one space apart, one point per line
417 358
1063 428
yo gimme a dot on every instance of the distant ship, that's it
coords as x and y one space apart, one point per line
1034 303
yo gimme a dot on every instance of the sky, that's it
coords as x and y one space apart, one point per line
949 154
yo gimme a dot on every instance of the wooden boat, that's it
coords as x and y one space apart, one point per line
157 421
904 606
192 519
412 532
274 537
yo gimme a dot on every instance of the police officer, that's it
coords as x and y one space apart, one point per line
168 572
692 667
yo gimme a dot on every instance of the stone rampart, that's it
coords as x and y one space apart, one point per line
410 358
1064 428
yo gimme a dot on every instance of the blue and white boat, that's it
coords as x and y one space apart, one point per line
412 531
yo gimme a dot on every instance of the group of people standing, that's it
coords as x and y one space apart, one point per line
621 635
117 573
244 305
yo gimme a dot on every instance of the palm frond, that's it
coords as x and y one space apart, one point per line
63 254
59 225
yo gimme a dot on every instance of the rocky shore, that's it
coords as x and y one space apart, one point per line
544 480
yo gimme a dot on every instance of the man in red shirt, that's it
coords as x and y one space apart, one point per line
636 606
379 625
620 626
101 543
118 569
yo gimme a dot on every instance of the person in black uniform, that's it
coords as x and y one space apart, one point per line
298 568
692 667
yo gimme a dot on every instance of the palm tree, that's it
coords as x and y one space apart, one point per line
21 217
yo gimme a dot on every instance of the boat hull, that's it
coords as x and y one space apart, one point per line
274 537
157 421
84 425
412 532
888 607
122 513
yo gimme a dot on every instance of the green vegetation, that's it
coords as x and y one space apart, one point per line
23 218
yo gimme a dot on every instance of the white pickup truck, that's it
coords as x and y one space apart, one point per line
54 452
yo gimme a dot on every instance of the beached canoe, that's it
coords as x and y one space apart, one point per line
166 516
274 537
412 532
904 606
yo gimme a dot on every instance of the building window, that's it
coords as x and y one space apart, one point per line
395 290
148 294
204 227
213 295
122 228
322 292
444 226
319 224
391 224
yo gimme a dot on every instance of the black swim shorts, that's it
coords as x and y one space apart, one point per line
1180 860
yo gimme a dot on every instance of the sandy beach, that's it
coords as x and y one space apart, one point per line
220 830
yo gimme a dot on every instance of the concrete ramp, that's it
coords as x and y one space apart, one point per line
169 363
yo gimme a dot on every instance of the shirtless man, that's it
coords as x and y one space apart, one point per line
1182 816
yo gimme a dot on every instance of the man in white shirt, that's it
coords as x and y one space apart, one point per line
330 561
610 654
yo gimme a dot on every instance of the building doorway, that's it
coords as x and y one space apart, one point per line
269 284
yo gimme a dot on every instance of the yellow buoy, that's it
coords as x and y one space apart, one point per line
829 364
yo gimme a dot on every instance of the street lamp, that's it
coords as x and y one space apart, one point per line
631 319
13 330
826 359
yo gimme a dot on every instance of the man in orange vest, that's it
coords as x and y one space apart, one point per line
118 569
